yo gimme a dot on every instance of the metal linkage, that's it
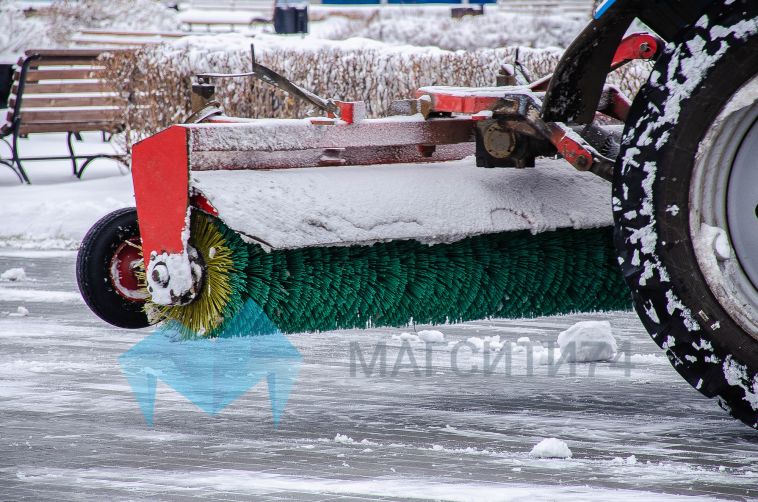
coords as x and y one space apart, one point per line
273 78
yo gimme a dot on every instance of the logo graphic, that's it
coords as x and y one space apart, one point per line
213 373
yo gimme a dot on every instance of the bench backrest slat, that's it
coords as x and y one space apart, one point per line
64 74
48 101
66 101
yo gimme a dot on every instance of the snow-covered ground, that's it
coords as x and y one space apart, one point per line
57 209
70 428
625 427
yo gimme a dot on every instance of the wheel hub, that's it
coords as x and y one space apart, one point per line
742 204
124 265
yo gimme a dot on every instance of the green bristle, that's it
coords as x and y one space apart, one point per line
514 274
511 274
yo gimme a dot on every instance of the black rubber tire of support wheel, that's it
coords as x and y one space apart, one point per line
653 173
93 270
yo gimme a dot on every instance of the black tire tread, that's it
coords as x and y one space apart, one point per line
699 355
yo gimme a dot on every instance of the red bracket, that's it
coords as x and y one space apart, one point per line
637 46
160 173
459 99
350 112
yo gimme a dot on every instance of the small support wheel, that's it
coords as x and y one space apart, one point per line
106 270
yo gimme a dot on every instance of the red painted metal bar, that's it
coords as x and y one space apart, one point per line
286 135
160 173
461 99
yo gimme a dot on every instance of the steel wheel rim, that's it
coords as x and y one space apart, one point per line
124 263
724 183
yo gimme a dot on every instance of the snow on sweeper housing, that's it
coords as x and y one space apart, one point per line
343 221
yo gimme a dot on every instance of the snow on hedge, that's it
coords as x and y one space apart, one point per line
157 79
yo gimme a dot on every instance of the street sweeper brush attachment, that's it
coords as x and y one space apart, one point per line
354 247
307 219
508 274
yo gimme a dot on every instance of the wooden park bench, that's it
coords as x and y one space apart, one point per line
60 90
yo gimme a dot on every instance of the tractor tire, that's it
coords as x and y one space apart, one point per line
104 285
685 196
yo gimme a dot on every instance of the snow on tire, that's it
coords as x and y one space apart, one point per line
657 218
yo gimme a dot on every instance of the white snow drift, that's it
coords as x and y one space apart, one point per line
551 448
13 275
588 341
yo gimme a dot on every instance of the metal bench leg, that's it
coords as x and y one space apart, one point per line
15 163
88 159
69 141
9 163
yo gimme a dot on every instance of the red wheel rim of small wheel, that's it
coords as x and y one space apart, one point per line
122 271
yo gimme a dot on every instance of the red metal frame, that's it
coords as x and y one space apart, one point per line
161 163
160 174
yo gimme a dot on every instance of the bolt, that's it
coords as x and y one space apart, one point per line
644 48
160 274
581 162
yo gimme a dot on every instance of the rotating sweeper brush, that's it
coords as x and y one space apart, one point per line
342 221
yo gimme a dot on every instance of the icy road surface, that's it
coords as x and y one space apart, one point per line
70 428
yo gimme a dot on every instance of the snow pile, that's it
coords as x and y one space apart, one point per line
406 337
588 341
20 312
431 336
345 439
13 275
54 215
551 448
18 32
630 460
485 344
